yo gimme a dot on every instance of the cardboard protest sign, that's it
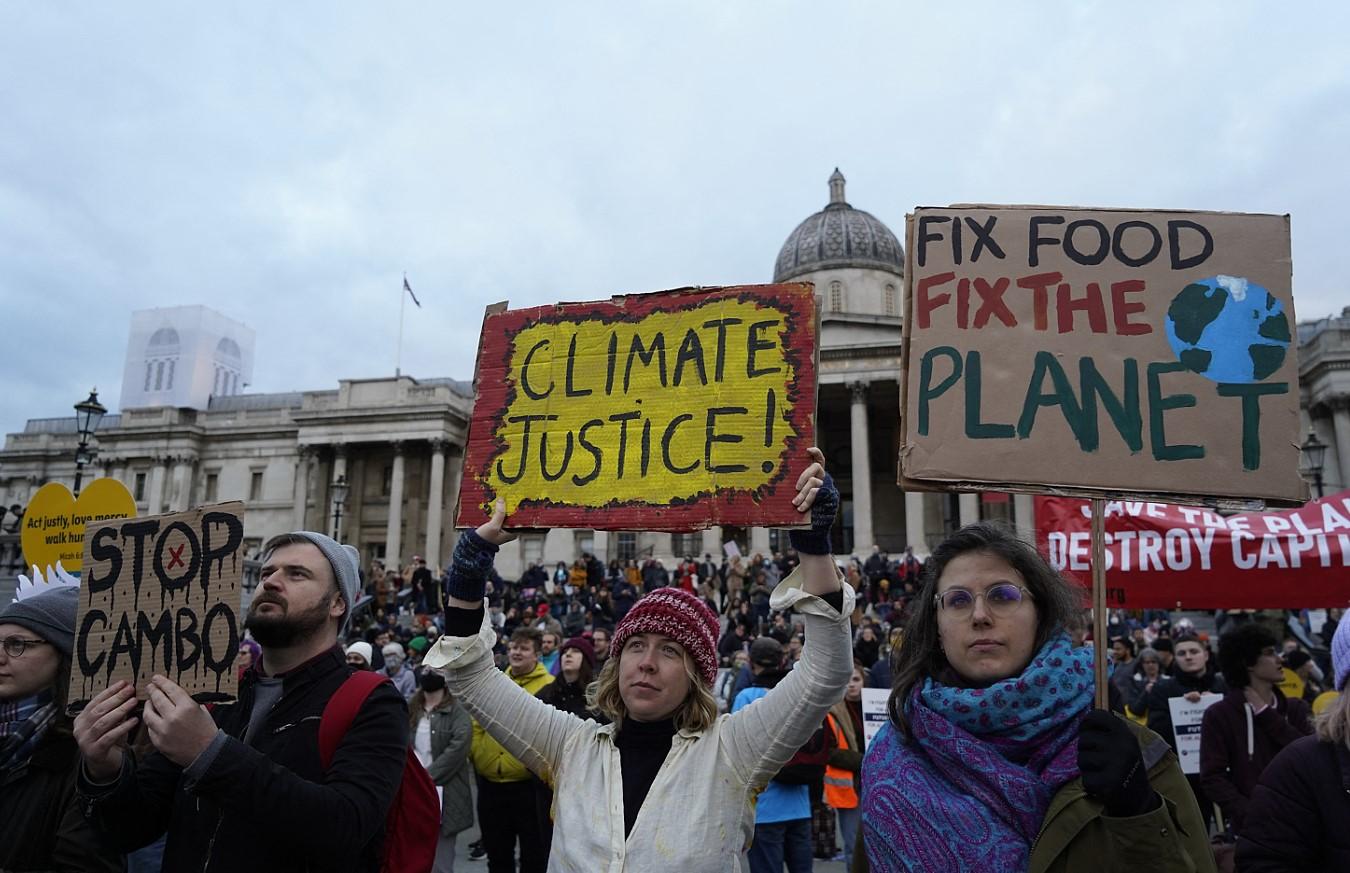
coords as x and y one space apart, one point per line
669 411
874 712
1162 556
1186 720
1100 353
161 595
54 522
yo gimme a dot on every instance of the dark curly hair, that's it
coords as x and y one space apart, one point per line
1238 650
1057 603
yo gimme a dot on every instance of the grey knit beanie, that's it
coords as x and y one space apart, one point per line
50 615
346 562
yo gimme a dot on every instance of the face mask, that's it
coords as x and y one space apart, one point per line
432 681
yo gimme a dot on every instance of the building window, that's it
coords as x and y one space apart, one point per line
255 486
139 490
686 544
212 488
159 375
149 372
585 540
531 548
836 296
889 299
168 383
626 545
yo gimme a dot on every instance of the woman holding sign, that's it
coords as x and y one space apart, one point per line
993 758
675 782
39 812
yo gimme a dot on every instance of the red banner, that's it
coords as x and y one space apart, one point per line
1161 556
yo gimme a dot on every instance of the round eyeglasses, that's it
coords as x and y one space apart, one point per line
1002 599
15 646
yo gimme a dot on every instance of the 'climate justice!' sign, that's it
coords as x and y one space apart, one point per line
677 410
161 595
1092 351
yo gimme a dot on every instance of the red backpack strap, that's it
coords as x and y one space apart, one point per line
341 710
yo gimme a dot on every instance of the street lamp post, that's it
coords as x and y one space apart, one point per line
339 487
1314 455
88 414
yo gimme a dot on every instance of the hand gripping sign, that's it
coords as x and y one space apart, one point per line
161 595
670 411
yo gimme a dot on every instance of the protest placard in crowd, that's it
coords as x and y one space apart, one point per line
874 712
1186 720
1162 556
670 411
161 595
54 521
1101 352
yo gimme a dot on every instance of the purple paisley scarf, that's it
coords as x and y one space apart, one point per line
970 791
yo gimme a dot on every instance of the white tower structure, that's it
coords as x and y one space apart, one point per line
182 356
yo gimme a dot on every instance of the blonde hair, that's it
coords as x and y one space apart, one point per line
1333 725
696 713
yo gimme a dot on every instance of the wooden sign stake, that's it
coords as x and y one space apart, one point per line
1103 700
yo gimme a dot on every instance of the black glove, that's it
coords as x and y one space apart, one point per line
816 540
1112 765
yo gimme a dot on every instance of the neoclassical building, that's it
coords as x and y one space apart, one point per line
192 435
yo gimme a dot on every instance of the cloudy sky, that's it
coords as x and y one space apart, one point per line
286 163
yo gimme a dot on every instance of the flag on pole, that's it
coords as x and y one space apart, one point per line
408 288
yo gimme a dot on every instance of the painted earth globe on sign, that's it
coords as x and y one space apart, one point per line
1228 329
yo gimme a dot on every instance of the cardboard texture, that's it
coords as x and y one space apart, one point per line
671 411
161 595
54 522
1100 353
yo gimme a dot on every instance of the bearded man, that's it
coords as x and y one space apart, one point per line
241 787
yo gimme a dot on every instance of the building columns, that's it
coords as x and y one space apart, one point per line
339 472
301 493
456 472
182 483
968 508
916 528
393 534
1024 516
154 500
759 542
1340 421
712 542
862 472
435 502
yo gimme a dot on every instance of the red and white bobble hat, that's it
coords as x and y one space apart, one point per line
674 613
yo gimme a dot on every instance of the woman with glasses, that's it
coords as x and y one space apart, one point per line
993 757
39 812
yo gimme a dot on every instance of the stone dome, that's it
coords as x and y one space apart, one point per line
839 236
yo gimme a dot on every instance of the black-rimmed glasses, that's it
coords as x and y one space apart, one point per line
16 646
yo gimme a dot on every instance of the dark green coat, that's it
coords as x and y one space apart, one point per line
451 735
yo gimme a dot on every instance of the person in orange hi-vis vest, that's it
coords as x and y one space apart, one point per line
845 766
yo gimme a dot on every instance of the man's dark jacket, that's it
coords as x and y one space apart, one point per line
1228 770
269 806
1168 687
1299 816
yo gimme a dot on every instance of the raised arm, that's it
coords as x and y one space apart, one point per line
528 728
760 739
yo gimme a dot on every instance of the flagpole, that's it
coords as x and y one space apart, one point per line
402 304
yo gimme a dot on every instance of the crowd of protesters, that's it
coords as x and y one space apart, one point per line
510 695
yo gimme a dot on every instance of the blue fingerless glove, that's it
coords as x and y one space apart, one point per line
470 567
816 540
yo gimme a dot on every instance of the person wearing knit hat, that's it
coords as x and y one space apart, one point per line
360 654
665 735
38 757
192 787
1298 817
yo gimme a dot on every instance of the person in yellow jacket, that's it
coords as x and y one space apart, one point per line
505 792
845 766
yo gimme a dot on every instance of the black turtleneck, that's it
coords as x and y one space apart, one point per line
643 746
